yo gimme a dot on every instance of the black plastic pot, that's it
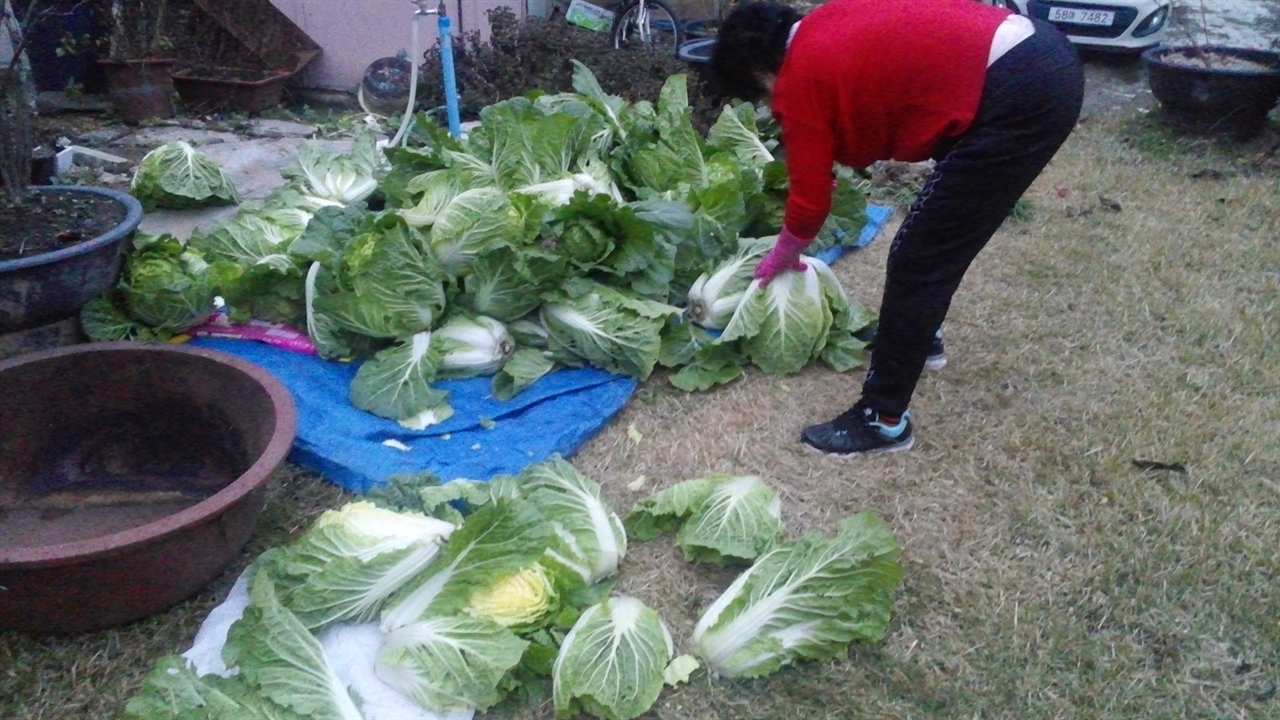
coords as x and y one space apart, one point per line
53 286
43 168
697 55
1210 98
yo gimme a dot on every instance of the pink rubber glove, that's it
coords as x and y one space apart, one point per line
785 255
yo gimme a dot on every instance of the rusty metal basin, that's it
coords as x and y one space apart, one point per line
131 474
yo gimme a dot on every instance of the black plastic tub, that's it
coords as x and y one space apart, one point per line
697 55
701 29
1236 101
53 286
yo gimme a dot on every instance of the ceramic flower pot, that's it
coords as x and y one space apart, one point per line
140 89
1215 87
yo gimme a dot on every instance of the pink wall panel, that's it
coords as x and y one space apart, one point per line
354 33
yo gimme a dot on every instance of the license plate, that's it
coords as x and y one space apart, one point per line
1077 16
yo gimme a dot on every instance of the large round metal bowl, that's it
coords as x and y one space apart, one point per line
131 474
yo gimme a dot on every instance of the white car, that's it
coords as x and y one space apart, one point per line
1114 25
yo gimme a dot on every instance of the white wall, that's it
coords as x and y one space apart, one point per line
354 33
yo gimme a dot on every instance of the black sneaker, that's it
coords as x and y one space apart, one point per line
936 360
860 430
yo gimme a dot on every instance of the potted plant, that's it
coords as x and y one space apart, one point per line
242 53
60 246
139 63
1214 87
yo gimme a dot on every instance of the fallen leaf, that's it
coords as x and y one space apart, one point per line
637 483
1208 174
1154 465
634 434
679 670
486 423
1109 204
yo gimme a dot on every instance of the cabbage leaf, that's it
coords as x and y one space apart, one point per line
449 663
173 691
805 599
354 558
587 537
396 383
281 659
721 519
524 368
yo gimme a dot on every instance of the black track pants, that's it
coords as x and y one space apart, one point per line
1030 103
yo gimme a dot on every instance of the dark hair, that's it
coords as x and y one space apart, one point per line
752 40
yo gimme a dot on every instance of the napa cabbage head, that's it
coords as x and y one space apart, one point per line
715 296
449 663
176 175
593 179
522 598
609 328
472 345
337 177
721 519
784 325
502 537
587 537
612 663
166 286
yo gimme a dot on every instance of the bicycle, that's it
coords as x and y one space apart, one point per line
647 23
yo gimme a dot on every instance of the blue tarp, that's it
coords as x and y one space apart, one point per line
877 216
484 437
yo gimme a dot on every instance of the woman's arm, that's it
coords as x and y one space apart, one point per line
810 152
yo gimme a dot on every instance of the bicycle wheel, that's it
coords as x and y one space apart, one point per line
647 23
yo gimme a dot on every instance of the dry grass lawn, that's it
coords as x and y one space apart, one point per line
1046 575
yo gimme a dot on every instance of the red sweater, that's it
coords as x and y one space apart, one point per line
868 80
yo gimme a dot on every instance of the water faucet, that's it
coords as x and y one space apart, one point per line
425 9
